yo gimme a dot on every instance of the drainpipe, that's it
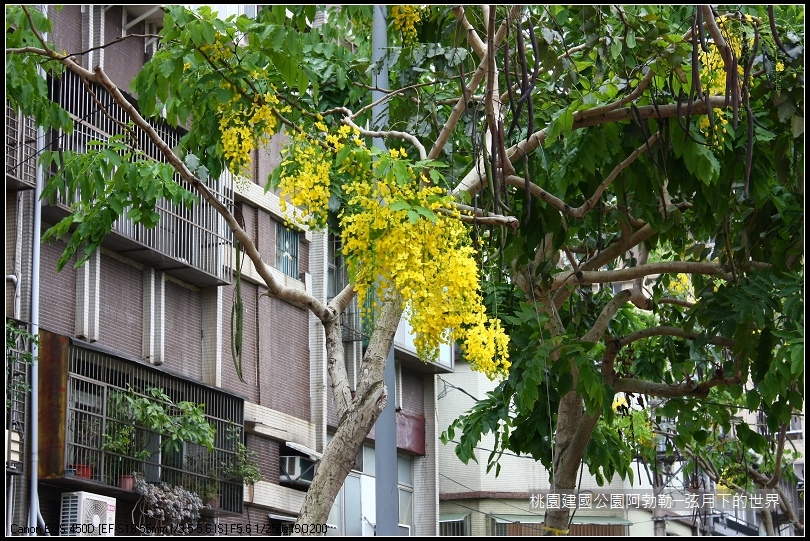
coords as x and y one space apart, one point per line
16 283
15 278
33 511
34 514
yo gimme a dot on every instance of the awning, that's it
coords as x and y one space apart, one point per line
578 519
314 455
281 518
452 517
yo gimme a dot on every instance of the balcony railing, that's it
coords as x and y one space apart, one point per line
191 244
82 436
18 371
21 148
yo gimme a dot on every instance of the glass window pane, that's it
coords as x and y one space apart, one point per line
353 509
405 470
406 507
287 250
369 463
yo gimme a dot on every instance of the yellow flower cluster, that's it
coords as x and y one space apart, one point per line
305 181
404 20
681 286
398 235
220 50
245 126
713 69
715 136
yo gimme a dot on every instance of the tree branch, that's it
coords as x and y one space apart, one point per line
600 325
665 330
585 277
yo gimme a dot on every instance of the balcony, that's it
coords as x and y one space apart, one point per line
193 245
80 396
21 148
18 363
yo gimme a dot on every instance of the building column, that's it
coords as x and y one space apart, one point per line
87 298
316 283
213 309
426 469
154 326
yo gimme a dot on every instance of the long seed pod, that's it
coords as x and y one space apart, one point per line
774 33
748 64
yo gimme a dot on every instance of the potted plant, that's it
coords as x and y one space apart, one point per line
133 417
242 466
123 444
210 493
87 429
166 506
122 460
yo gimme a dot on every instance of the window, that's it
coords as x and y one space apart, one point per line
336 278
353 511
405 480
287 250
454 525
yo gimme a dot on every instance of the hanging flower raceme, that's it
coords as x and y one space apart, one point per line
401 233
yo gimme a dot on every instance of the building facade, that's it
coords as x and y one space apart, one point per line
152 310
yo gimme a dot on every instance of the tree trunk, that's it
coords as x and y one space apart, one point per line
566 460
356 420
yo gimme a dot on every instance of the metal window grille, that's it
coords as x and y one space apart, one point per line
95 378
196 236
17 392
287 250
21 140
455 527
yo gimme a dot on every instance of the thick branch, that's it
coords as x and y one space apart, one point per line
381 342
471 182
473 38
664 390
461 105
479 216
600 325
585 277
336 366
672 331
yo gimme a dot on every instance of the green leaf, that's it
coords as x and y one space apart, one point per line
399 205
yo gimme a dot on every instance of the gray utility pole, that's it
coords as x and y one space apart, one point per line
385 466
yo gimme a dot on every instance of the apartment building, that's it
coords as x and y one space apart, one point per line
475 502
152 310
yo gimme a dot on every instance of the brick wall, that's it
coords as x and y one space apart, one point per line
412 392
57 290
266 159
66 23
230 381
183 324
266 237
122 60
120 307
284 358
267 452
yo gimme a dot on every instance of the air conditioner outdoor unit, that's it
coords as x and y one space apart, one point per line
85 514
296 470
